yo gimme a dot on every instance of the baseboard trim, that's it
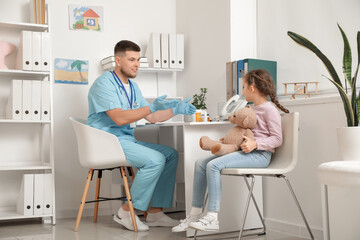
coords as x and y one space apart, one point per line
292 229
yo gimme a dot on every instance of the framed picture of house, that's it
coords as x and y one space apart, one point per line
86 17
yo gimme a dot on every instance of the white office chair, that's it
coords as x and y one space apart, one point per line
282 162
100 150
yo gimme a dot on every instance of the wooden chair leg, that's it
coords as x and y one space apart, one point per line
83 199
97 193
132 179
128 196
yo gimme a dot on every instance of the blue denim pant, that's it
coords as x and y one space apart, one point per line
155 180
207 174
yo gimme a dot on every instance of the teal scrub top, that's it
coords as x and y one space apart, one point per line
105 94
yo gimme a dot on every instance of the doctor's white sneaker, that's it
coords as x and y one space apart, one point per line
126 222
206 223
184 223
160 219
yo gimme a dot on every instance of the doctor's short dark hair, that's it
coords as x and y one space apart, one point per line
125 45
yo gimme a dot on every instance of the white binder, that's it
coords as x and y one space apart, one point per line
164 50
36 100
38 194
26 100
24 55
36 51
172 50
45 100
153 50
180 51
14 105
48 193
24 204
45 51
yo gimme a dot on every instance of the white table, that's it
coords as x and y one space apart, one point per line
234 190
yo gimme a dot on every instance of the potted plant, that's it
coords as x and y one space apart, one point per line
349 136
199 101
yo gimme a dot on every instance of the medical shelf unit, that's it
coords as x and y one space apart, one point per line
26 146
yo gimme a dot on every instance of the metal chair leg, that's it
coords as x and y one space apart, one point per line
83 199
97 193
298 205
256 206
247 205
128 196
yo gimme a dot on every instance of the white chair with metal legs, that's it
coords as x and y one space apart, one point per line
282 162
99 151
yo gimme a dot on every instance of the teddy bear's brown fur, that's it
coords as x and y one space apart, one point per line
245 119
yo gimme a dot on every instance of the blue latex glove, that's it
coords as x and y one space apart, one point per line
184 107
161 104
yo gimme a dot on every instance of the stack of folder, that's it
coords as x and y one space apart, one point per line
34 51
108 63
236 70
37 11
36 195
165 50
29 100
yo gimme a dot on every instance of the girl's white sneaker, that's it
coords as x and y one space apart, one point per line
184 224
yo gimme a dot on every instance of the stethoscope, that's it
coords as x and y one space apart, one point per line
132 90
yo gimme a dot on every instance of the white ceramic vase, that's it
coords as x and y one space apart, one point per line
349 143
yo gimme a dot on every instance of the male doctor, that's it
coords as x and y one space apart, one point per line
115 104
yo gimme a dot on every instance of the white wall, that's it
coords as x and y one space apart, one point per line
315 20
133 20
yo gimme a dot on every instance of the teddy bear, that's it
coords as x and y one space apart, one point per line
245 119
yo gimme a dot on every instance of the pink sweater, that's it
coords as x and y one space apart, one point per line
267 132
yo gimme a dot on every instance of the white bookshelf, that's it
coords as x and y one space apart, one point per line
38 160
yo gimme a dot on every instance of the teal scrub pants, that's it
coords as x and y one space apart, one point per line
155 180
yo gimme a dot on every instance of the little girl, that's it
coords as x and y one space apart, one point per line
257 85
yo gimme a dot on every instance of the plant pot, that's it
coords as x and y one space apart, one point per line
349 143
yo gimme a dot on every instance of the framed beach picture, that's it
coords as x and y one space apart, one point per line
71 71
86 17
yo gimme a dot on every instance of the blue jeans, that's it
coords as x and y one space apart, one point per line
207 174
155 180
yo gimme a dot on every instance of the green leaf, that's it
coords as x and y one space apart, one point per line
309 45
347 105
347 59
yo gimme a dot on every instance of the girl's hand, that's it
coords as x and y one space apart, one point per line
248 145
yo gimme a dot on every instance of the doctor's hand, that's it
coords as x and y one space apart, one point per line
161 104
184 107
248 145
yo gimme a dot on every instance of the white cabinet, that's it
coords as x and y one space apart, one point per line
26 146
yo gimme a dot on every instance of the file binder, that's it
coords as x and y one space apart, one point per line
164 50
180 51
25 202
36 51
14 106
239 76
45 51
26 100
48 194
24 55
229 80
38 194
45 100
172 50
235 86
36 100
153 50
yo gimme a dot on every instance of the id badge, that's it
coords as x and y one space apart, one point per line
133 125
